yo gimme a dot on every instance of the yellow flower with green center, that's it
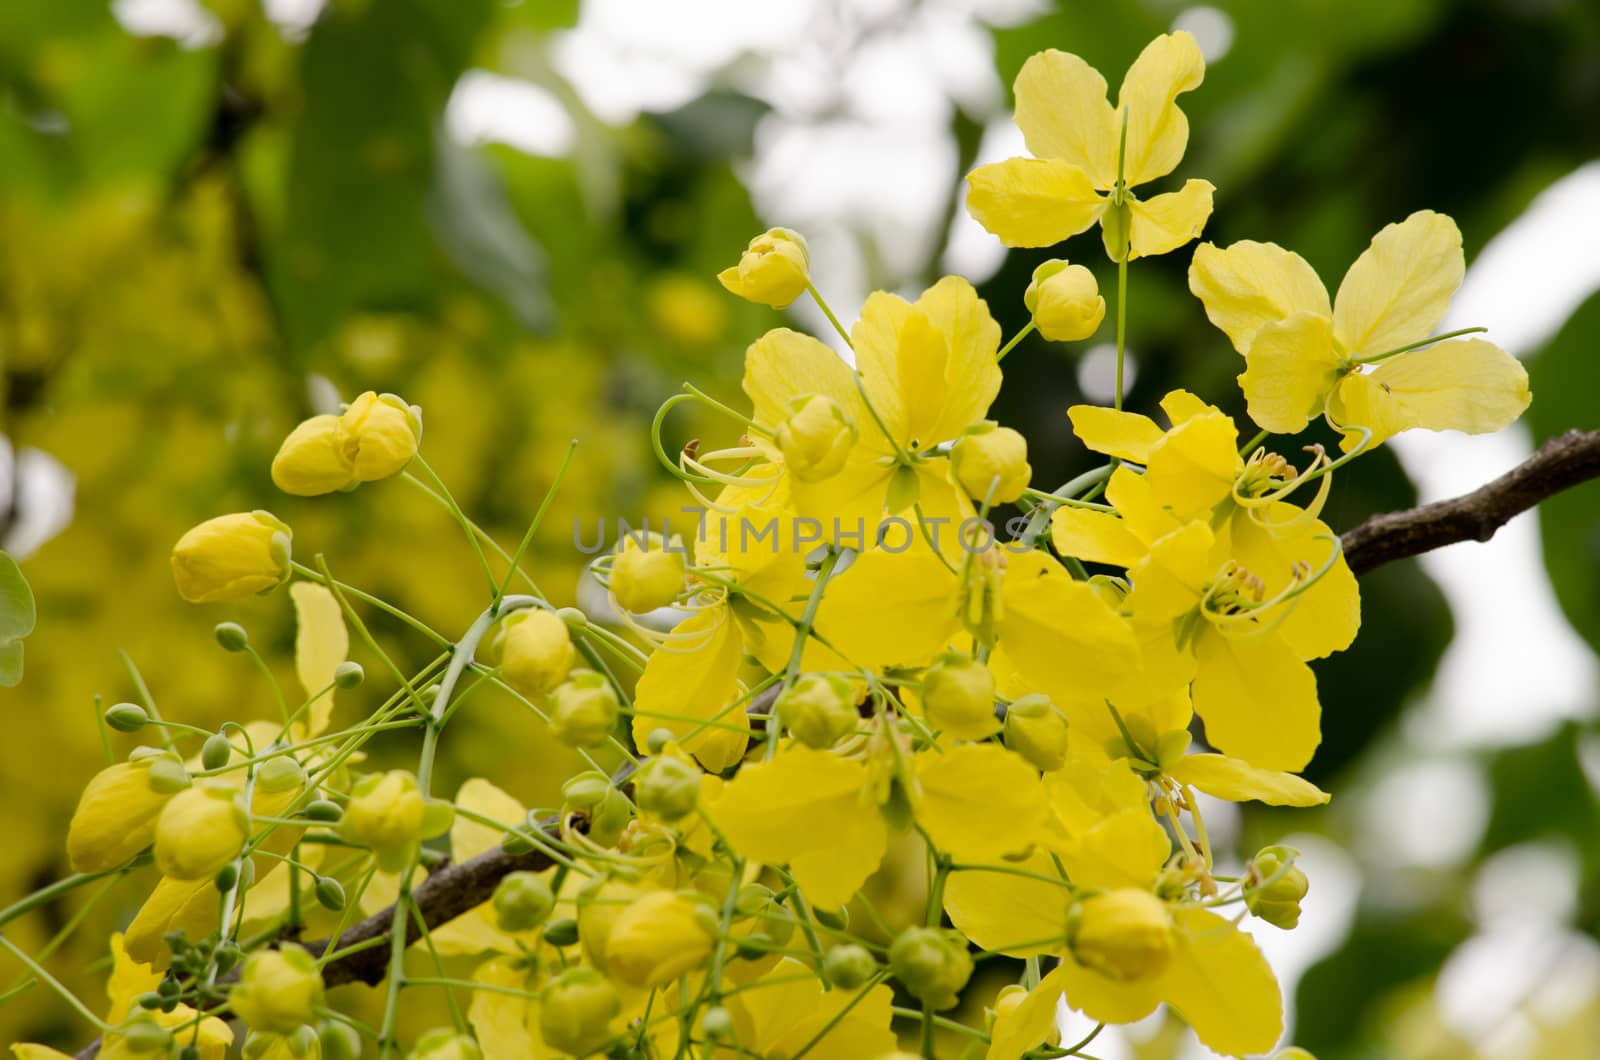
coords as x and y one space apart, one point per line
1089 155
1364 358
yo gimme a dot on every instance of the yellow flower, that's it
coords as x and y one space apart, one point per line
231 557
774 269
117 813
1065 301
822 815
932 964
649 574
991 463
1124 934
278 991
200 830
385 813
577 1010
1354 358
928 372
583 709
379 434
784 1012
1088 155
535 650
310 462
655 939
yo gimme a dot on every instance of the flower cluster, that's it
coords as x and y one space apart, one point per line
850 769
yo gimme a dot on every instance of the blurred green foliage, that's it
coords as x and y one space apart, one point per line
196 241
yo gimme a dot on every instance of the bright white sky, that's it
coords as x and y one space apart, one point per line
857 145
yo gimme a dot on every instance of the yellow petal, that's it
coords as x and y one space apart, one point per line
321 643
999 909
502 1022
1030 1023
1169 580
902 362
1324 618
129 979
1251 284
783 365
1289 370
786 1012
1060 633
1400 286
468 838
691 679
1237 781
1222 985
1126 849
962 792
1164 223
1095 537
810 810
1063 113
35 1051
1091 789
1127 435
1029 202
971 339
1105 999
1466 385
892 609
1194 466
1158 132
1130 493
1258 700
1181 406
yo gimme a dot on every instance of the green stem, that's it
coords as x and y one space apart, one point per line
538 518
1122 323
1408 347
66 995
440 492
1018 337
823 305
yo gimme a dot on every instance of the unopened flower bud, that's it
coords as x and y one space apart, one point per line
127 717
232 557
816 439
667 787
576 1011
536 651
958 697
385 813
165 775
1277 891
585 791
932 964
280 774
562 932
583 709
599 905
330 893
215 752
610 817
311 462
717 1024
658 739
445 1044
991 463
231 636
200 830
339 1041
323 811
773 270
522 901
348 675
647 574
378 434
278 991
848 966
655 939
1124 934
1065 301
1037 731
145 1035
818 709
226 877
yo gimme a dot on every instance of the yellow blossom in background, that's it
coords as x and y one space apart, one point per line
231 557
117 813
1088 155
1354 358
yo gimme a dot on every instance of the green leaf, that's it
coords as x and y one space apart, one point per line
17 616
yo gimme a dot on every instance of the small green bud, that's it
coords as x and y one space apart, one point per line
1037 731
227 955
667 787
561 933
610 817
280 774
226 877
330 893
583 709
932 964
146 1036
150 1000
231 636
1116 227
576 620
189 1052
339 1041
716 1024
657 741
832 919
1277 902
127 717
818 709
348 675
958 697
323 811
167 776
848 966
584 791
215 752
523 901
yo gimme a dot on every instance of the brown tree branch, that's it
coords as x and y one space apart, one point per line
1560 464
